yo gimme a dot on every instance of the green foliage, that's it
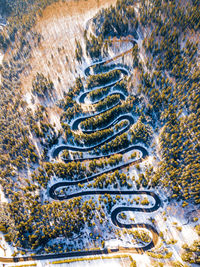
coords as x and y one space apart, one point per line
78 51
191 253
107 117
116 21
172 92
42 86
69 104
135 56
112 161
102 79
93 138
99 93
107 102
21 17
181 157
197 229
170 85
93 46
141 133
36 224
114 179
67 171
120 142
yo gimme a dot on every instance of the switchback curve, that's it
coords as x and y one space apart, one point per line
118 210
75 126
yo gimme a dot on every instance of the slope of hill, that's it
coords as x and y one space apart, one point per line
101 99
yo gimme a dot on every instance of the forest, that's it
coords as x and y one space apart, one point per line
171 95
167 103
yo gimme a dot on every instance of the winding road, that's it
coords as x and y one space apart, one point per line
116 211
76 126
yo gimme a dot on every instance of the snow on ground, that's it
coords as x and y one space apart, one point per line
1 57
54 117
5 249
96 263
28 97
2 197
59 26
170 219
124 262
174 218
